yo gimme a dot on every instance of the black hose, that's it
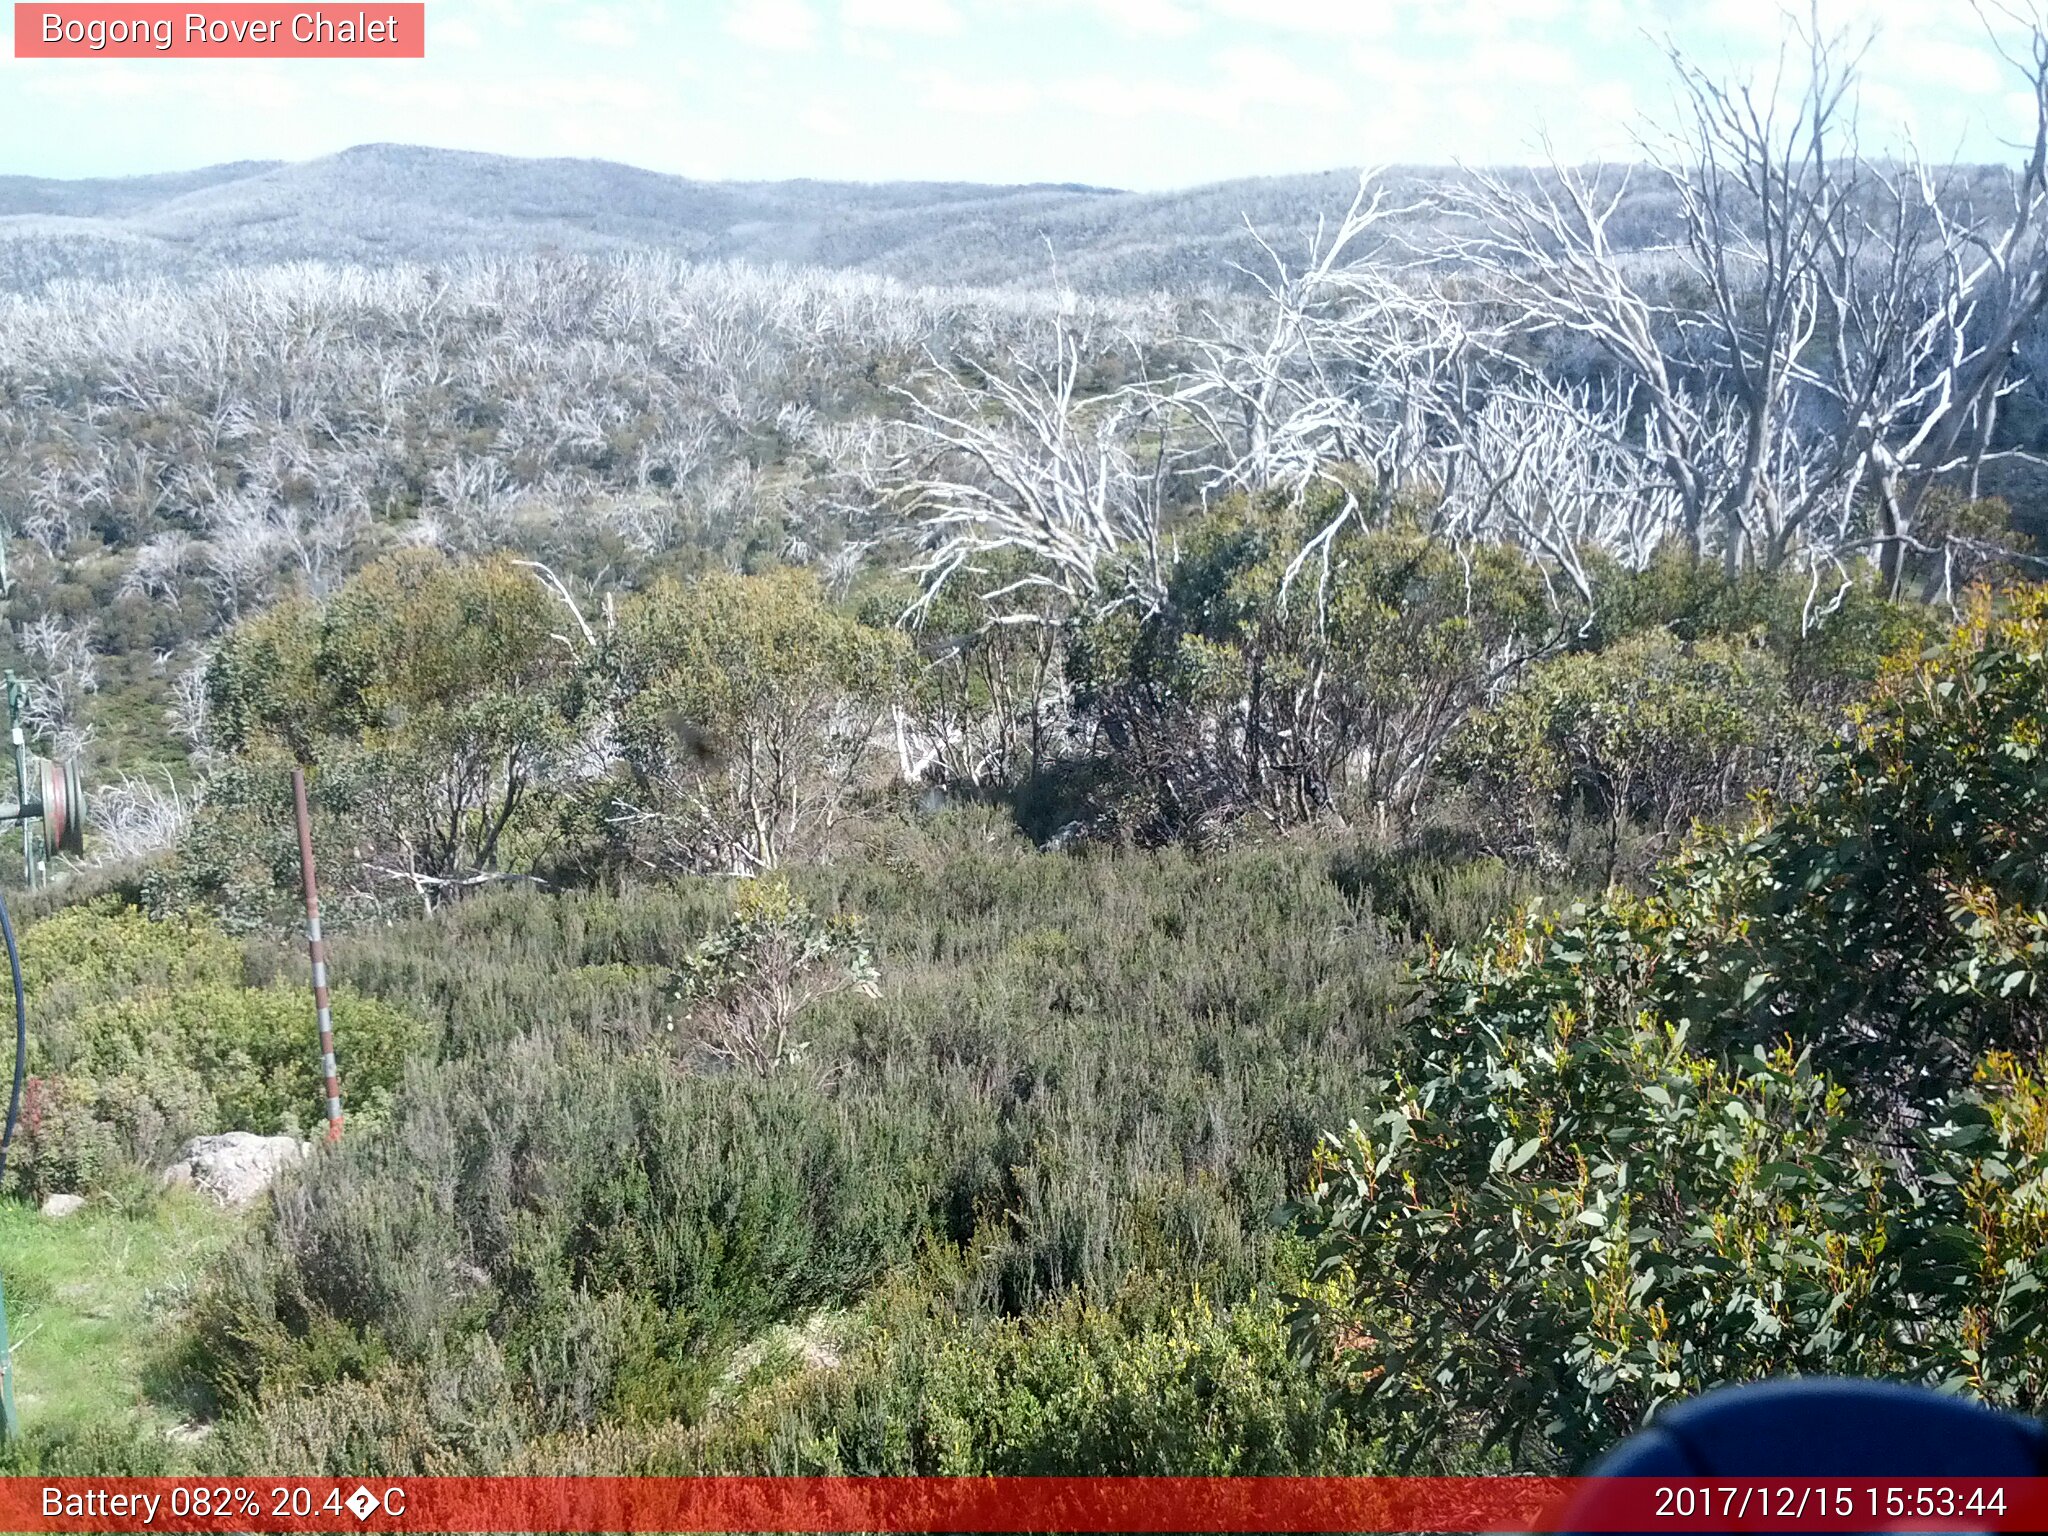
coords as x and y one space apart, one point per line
20 1038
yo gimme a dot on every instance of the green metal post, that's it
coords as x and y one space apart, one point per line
16 695
17 706
9 1425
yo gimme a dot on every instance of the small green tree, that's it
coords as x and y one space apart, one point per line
750 983
1246 692
1650 732
747 708
433 696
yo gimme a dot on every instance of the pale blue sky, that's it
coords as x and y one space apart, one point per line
1135 93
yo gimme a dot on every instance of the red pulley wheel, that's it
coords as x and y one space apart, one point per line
63 807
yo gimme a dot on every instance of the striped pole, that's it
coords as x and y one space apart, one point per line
318 950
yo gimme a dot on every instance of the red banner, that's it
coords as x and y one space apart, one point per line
1051 1504
238 31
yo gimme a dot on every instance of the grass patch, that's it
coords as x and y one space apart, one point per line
91 1300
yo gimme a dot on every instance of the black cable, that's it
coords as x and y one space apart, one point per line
20 1038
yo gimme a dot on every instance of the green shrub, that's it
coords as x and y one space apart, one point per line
1567 1216
1162 1382
1606 1179
1166 1388
1652 731
129 1448
614 1222
1563 1217
1897 919
143 1036
1077 1071
493 968
1159 1381
749 983
454 1417
104 951
1833 640
1439 885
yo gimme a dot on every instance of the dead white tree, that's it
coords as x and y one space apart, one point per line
1025 464
558 589
160 566
1543 253
67 670
1544 466
188 712
1343 359
1844 332
240 552
1991 294
136 817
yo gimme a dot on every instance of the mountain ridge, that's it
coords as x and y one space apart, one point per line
384 202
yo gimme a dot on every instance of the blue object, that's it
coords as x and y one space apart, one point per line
1828 1427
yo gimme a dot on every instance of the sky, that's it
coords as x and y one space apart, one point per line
1145 94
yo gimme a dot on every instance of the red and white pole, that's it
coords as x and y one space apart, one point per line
318 950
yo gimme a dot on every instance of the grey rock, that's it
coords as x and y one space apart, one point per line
57 1207
236 1167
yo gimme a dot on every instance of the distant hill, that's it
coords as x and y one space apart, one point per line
388 202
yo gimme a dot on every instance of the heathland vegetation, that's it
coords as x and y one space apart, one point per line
1390 866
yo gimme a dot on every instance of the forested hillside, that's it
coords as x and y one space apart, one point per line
385 203
1387 858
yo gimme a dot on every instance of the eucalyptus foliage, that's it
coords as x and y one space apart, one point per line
749 982
1782 1114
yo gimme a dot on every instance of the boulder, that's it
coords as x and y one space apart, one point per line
57 1207
236 1167
1073 832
